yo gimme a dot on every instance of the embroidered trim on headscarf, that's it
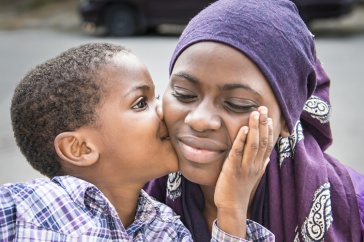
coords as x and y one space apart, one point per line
320 217
296 238
318 109
287 145
174 185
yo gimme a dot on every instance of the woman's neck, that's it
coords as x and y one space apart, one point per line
210 210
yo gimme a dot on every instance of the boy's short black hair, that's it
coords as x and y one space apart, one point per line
57 96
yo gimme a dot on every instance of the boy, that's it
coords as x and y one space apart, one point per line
89 120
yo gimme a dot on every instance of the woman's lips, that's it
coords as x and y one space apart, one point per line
204 153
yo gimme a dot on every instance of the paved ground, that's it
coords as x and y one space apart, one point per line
20 14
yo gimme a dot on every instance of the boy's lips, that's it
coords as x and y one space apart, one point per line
200 150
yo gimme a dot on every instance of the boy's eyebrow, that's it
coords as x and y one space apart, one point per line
135 88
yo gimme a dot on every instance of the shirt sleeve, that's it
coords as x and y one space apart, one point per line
254 232
7 215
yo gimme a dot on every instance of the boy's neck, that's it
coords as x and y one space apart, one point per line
124 198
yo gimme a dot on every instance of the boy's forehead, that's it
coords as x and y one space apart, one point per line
125 68
123 58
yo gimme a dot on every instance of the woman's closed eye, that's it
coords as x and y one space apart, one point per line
241 108
185 97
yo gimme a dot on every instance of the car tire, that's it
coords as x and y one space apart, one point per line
120 20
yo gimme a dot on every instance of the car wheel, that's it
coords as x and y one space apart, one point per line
120 20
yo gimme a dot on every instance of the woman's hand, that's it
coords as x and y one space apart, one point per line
242 171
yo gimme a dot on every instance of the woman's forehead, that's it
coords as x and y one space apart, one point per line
212 58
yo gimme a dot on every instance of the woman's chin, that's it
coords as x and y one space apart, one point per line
200 175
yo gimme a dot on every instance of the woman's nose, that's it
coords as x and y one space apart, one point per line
204 117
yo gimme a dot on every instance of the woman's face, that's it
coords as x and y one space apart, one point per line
213 89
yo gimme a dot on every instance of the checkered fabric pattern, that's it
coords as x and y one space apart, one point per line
70 209
254 232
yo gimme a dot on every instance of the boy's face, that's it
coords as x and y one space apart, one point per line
131 140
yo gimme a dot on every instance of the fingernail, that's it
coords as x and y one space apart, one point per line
246 129
256 115
270 122
264 111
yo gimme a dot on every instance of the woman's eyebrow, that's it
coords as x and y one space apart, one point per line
228 87
186 76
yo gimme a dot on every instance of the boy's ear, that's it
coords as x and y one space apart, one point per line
73 148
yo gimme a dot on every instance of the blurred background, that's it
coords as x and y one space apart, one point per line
32 31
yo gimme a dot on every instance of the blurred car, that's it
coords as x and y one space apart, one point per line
130 17
321 9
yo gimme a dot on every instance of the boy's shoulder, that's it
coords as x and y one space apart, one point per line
47 205
21 191
44 192
41 188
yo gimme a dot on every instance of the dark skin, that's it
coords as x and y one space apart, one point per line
120 165
214 91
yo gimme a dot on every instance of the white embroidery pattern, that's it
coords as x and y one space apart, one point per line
174 185
286 146
320 217
296 238
318 109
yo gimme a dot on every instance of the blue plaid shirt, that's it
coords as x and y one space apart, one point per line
70 209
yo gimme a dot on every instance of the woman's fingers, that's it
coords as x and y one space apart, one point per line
251 150
258 139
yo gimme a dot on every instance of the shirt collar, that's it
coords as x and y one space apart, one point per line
83 193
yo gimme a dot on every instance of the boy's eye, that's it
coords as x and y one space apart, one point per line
141 104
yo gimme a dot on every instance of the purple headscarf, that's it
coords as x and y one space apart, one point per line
305 195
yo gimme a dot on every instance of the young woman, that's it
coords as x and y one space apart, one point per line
233 57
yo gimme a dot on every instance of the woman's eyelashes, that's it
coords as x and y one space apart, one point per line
238 105
240 108
184 97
